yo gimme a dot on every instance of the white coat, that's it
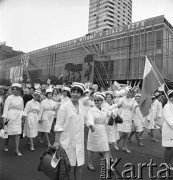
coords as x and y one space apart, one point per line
71 126
13 111
149 122
158 112
98 140
167 128
127 108
110 130
64 99
138 119
31 110
47 111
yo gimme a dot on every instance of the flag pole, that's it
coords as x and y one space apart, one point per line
159 80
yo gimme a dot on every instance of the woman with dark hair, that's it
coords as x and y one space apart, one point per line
65 94
167 130
27 97
13 111
56 95
47 111
69 129
43 94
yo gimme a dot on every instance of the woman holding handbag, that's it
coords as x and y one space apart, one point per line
69 129
98 140
108 104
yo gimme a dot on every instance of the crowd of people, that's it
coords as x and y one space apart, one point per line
67 110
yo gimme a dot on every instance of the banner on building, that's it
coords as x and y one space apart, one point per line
16 74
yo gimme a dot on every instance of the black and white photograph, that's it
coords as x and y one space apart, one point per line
86 89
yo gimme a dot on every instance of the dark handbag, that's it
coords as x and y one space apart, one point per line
45 164
111 121
1 123
119 119
60 171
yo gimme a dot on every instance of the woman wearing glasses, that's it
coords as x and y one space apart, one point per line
98 140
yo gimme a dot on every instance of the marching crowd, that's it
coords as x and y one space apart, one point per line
66 111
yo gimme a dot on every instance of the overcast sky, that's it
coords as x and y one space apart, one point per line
28 25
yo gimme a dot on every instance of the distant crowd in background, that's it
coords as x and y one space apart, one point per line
65 111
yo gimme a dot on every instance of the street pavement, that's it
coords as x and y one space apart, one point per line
13 167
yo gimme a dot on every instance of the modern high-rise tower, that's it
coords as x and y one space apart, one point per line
106 14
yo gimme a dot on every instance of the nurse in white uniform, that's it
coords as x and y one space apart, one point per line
111 130
159 111
47 111
98 140
69 129
13 112
149 120
167 130
138 121
127 107
31 113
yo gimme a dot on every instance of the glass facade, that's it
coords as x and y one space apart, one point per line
117 54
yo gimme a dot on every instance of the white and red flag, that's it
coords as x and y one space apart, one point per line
152 80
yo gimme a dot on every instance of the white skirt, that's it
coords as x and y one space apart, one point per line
14 126
110 133
47 120
98 140
31 125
